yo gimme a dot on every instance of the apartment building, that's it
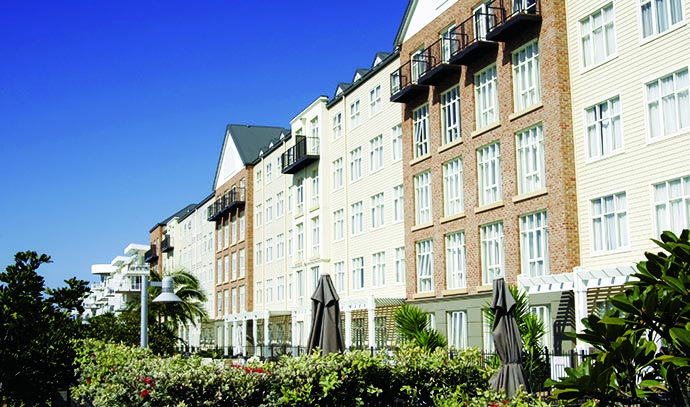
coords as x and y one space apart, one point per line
488 159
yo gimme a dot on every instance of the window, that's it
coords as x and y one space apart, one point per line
226 233
668 104
338 173
339 224
482 21
422 188
378 269
377 219
354 114
609 222
243 225
487 333
425 266
234 266
486 97
219 303
219 270
398 204
530 160
301 288
259 179
420 129
358 273
489 174
243 301
280 288
300 241
235 306
449 43
269 210
455 260
356 164
226 268
457 329
299 196
258 254
233 229
290 286
375 99
258 293
453 188
243 263
226 302
258 216
672 205
543 314
597 36
419 64
450 115
314 125
280 246
659 16
269 250
339 272
376 153
315 236
289 242
315 188
399 264
269 168
280 204
534 245
357 220
396 136
604 135
526 81
337 125
492 252
269 291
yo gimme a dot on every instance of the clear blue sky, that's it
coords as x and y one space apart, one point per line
112 113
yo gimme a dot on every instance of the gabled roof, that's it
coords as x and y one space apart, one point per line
360 73
182 213
346 88
404 24
380 57
342 87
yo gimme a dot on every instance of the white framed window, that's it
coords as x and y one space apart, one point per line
243 225
259 179
258 254
269 291
337 125
339 273
487 333
609 222
280 246
358 273
672 205
280 204
338 177
299 196
258 215
269 172
315 236
597 36
420 129
422 189
280 288
492 252
314 126
449 43
258 292
453 187
233 229
269 210
398 204
226 268
486 97
534 244
399 264
354 114
357 218
543 313
526 77
315 188
219 303
530 160
482 21
377 213
356 164
489 171
219 271
425 266
378 269
659 16
269 250
289 242
243 263
457 329
376 153
301 286
375 100
668 105
243 298
604 134
291 286
419 65
228 305
450 115
300 242
456 276
226 233
339 225
396 137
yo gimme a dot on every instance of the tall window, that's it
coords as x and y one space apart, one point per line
337 125
375 100
314 125
376 153
339 224
609 222
280 204
299 196
420 129
338 173
378 269
597 36
243 296
233 229
269 250
489 171
425 266
377 219
339 273
358 273
243 263
258 293
226 233
486 97
356 164
526 81
258 215
453 187
269 291
455 260
487 333
604 134
449 43
419 64
482 21
672 205
450 115
300 241
534 244
530 160
219 270
315 236
357 221
315 187
258 254
659 16
422 186
243 225
289 242
226 301
269 172
269 210
399 264
280 246
398 203
226 267
354 114
396 136
492 252
280 288
457 329
668 104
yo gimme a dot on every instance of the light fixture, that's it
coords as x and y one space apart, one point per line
167 295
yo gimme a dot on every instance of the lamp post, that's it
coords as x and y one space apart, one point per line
167 295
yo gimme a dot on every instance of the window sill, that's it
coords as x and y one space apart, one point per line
420 227
450 145
524 197
314 208
525 112
651 38
455 291
489 207
452 217
419 296
485 288
420 159
479 132
611 252
584 70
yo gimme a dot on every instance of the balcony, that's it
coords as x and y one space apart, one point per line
471 37
304 152
141 270
437 69
151 256
129 286
234 198
512 18
405 84
166 244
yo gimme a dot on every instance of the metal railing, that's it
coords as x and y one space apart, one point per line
472 30
304 146
514 8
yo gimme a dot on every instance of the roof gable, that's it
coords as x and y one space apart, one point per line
419 14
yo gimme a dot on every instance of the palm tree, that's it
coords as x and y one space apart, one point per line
412 325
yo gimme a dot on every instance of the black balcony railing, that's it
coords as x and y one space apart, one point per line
304 152
234 198
513 17
405 84
166 245
151 256
471 36
436 67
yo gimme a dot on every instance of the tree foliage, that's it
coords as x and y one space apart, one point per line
412 325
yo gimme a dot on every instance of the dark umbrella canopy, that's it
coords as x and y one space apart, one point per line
325 318
507 341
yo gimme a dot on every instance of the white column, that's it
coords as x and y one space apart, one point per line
348 329
371 321
255 331
226 336
580 300
243 338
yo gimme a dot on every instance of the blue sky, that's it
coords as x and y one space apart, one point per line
112 113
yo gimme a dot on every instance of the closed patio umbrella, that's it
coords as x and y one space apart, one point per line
325 319
507 342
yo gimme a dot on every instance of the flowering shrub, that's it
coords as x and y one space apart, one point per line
488 398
